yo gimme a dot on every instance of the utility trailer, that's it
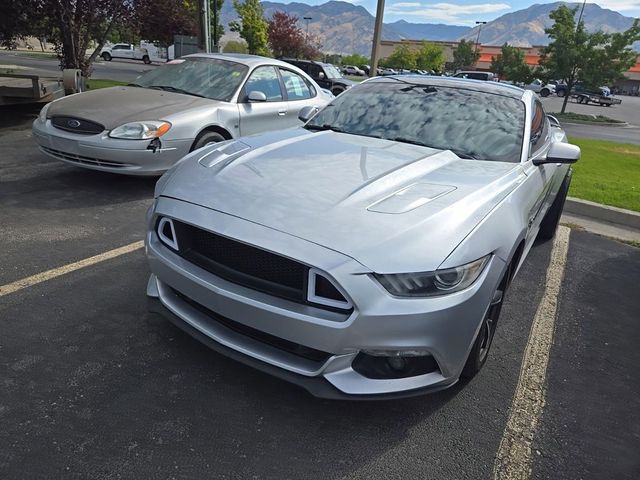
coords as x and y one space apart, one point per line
599 98
19 88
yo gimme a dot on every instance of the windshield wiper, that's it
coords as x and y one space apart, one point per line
324 126
169 88
459 153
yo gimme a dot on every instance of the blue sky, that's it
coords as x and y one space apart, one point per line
465 12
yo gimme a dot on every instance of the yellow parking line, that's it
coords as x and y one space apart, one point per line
56 272
513 460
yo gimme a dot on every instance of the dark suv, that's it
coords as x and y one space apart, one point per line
325 74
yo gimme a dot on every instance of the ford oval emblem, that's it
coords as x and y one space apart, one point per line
73 123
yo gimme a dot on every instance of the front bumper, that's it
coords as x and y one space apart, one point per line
445 327
101 152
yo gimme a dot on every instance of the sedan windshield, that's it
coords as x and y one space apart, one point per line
199 76
470 123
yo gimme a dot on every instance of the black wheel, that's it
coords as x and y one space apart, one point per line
544 92
550 221
106 56
206 138
560 93
480 350
146 59
337 91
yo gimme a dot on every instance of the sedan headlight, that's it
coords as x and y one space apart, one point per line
42 116
431 284
141 130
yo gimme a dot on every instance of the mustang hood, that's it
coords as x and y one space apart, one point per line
115 106
359 196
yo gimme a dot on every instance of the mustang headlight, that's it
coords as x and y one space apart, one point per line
431 284
141 130
42 116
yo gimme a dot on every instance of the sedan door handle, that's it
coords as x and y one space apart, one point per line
282 113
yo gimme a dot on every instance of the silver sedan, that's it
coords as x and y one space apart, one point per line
367 253
145 127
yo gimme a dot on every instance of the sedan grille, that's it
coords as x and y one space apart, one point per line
72 157
242 264
77 125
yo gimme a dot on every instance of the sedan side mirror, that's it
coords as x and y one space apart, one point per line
560 153
305 113
257 96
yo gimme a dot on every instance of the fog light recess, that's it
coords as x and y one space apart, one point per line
393 364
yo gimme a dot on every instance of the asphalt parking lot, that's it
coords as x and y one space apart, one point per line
93 386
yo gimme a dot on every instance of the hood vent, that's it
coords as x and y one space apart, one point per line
410 198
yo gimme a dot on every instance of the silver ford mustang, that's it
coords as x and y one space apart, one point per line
147 126
367 253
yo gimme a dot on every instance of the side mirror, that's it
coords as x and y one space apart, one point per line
321 75
560 153
305 113
257 96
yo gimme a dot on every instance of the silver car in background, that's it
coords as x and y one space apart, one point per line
368 253
145 127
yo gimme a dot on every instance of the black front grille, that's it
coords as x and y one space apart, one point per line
242 264
258 335
77 125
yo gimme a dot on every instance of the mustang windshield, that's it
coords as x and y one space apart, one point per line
472 124
203 77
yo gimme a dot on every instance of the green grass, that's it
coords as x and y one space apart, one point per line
95 83
35 54
607 173
579 117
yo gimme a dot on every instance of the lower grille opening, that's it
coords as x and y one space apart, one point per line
72 157
271 340
393 367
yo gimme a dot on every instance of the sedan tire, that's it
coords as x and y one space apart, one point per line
552 218
544 92
206 138
106 56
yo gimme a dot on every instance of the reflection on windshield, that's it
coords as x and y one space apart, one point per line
202 77
332 72
472 124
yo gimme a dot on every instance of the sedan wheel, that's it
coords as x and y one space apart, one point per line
544 92
207 138
106 57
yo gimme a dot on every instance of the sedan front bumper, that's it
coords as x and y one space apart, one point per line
205 305
101 152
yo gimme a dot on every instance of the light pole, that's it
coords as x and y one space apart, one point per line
377 34
307 19
478 37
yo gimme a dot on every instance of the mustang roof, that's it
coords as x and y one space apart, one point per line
477 85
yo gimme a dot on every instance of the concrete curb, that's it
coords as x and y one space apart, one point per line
597 124
597 211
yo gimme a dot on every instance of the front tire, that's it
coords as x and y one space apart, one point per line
560 93
207 138
551 219
544 92
146 60
106 56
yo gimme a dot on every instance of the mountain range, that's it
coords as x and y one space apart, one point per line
346 28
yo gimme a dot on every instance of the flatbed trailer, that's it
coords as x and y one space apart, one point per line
22 88
597 98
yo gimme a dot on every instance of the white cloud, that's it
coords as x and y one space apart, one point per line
620 5
447 12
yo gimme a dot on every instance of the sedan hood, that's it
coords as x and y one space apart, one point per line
367 198
115 106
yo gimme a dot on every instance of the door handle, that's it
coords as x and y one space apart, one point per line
282 113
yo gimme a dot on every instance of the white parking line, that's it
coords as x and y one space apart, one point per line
56 272
513 459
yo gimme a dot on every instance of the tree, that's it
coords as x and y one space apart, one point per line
251 26
355 59
574 54
402 57
286 38
465 55
430 57
510 64
217 30
235 46
160 21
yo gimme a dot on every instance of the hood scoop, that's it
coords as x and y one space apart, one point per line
410 198
225 154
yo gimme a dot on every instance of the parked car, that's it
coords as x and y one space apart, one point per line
147 126
351 70
325 74
476 75
368 253
125 50
541 88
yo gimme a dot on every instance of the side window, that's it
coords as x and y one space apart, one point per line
265 80
539 129
117 47
314 71
297 88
